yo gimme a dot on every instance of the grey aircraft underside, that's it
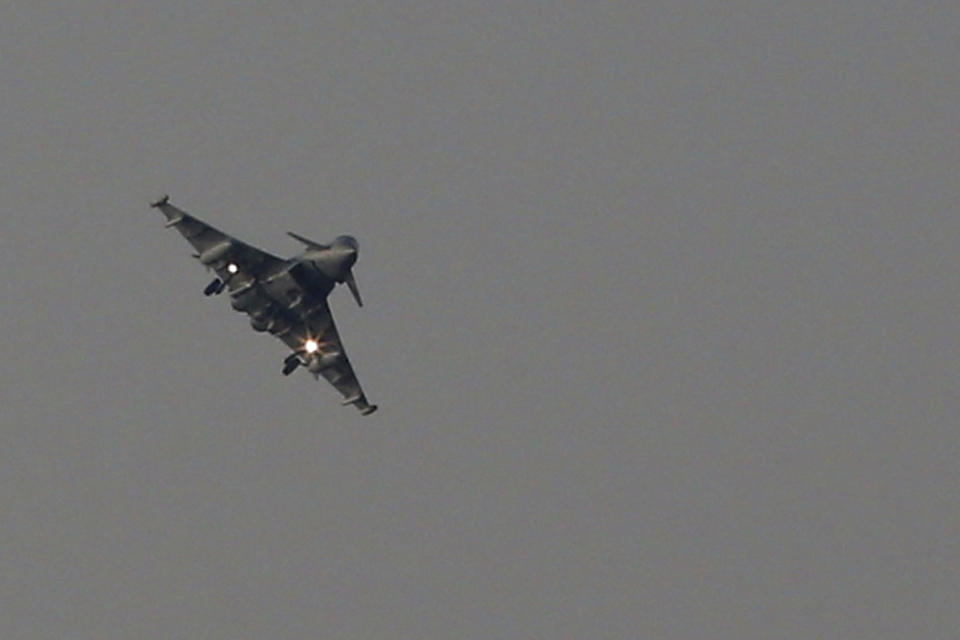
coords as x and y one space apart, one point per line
287 298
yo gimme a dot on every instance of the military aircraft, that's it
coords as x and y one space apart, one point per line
287 298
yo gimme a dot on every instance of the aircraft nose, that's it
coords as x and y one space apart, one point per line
348 241
348 254
345 256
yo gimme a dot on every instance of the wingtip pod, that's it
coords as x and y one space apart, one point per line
162 201
360 401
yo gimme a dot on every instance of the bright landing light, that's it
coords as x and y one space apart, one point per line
311 346
232 268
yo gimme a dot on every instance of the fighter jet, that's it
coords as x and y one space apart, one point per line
284 297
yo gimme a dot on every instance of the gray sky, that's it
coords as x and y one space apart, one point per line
660 314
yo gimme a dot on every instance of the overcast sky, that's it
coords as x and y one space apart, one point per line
661 315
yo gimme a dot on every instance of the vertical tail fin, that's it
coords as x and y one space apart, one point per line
352 283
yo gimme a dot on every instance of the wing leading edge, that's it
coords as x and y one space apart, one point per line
268 289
